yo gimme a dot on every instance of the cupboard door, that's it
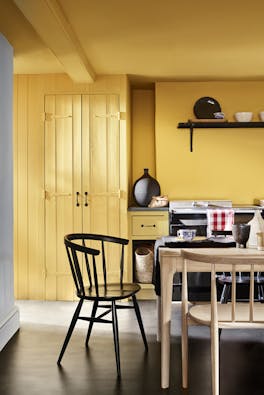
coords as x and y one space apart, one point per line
101 167
62 181
82 179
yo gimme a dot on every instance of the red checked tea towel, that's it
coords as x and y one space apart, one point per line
219 219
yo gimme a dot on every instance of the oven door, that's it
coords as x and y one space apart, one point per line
196 221
199 283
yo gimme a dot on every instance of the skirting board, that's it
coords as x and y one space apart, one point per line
9 326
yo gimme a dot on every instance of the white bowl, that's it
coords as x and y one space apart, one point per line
244 116
261 202
261 116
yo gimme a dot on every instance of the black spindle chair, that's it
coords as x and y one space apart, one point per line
103 295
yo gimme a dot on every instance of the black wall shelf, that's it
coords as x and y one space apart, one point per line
191 125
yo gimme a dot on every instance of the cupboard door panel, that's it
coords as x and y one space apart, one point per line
113 166
64 178
85 154
77 161
101 165
103 170
50 203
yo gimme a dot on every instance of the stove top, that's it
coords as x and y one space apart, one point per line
199 203
200 206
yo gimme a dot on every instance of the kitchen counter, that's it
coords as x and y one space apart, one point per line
236 207
246 207
135 208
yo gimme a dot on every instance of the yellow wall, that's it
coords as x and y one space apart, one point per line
226 163
143 132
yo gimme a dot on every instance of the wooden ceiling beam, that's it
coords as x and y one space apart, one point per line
49 21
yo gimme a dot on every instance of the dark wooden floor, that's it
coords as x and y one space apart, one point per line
28 363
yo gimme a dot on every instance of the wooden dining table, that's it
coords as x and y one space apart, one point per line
171 261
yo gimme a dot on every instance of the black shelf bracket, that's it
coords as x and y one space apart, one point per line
191 137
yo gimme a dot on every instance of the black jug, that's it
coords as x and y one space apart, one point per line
144 188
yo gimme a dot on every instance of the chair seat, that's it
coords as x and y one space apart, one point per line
111 291
202 313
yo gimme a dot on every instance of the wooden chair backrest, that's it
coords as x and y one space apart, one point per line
232 264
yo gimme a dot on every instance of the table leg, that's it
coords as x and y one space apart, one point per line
158 305
166 271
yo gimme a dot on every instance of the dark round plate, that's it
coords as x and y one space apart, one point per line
205 108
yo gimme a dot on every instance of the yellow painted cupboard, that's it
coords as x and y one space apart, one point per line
71 146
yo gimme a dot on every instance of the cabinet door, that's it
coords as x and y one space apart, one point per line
62 181
82 178
101 167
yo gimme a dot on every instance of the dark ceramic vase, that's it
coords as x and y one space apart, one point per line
144 188
240 233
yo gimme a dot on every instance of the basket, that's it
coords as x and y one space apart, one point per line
144 265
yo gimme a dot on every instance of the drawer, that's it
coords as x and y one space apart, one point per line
149 225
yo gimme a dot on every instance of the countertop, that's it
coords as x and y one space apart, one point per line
135 208
236 207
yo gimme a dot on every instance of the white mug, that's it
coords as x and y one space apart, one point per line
186 234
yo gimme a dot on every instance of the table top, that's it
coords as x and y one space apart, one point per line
165 253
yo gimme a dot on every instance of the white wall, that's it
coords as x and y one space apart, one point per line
9 317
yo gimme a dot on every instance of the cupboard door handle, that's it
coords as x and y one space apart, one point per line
148 226
77 199
86 199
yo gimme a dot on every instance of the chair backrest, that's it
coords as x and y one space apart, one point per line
78 252
233 264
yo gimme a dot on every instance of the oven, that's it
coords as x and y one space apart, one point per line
191 214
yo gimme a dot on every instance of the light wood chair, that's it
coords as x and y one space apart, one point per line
249 315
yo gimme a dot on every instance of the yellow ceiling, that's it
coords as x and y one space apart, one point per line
147 39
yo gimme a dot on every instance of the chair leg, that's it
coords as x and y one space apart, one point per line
260 293
140 323
95 305
224 299
70 330
184 346
215 359
225 293
116 338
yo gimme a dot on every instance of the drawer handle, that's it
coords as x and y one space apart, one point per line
148 226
